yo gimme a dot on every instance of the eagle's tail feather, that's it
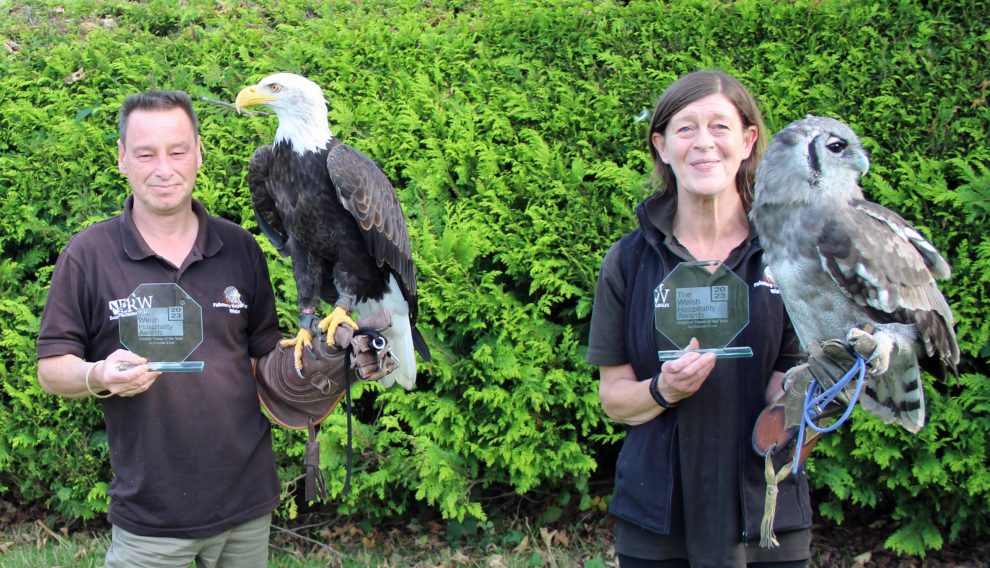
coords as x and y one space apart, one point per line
401 335
420 344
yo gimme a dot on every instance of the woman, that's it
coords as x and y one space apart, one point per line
689 490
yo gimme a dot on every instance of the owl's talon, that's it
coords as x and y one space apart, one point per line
875 348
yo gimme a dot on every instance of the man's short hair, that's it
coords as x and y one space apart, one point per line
156 100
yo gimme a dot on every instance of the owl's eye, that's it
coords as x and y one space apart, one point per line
836 145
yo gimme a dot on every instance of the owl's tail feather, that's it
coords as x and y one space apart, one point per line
897 400
897 395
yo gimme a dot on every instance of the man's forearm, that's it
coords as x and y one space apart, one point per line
65 375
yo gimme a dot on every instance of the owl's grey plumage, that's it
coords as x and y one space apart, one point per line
841 262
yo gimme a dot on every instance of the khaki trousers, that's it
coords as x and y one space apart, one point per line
244 546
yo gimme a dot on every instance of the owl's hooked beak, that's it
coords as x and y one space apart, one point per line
860 160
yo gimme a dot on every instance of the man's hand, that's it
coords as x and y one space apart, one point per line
123 373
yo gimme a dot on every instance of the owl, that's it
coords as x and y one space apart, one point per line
847 267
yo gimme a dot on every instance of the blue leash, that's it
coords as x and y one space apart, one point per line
816 398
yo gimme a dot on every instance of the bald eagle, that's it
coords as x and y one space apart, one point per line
333 211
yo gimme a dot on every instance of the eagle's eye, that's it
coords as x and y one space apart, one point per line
836 145
275 87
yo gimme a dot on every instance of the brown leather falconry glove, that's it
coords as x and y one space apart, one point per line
302 399
827 363
780 422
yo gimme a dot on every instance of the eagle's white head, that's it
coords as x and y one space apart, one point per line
299 105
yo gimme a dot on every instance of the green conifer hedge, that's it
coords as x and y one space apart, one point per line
509 128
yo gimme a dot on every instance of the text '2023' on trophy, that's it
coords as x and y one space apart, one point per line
163 324
702 299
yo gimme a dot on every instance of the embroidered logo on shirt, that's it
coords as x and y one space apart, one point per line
231 300
767 281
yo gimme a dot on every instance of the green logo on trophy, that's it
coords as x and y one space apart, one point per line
706 300
164 325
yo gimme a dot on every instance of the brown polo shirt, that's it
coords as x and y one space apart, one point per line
192 456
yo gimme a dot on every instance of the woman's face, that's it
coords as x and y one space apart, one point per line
704 143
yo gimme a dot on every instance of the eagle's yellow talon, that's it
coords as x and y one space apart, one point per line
303 339
330 323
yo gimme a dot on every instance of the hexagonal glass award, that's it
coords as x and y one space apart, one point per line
163 324
702 299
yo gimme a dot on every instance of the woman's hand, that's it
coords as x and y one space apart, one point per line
682 377
627 399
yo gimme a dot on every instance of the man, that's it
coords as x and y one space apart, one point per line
195 477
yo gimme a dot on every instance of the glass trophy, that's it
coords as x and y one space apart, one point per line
702 299
163 324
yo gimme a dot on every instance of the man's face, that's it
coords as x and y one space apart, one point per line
160 155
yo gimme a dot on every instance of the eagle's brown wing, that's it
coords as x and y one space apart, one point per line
368 195
261 199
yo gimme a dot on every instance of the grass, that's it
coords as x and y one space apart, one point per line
345 545
35 545
516 541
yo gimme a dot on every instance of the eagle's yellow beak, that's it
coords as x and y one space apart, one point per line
250 96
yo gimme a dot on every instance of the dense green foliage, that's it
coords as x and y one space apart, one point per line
508 127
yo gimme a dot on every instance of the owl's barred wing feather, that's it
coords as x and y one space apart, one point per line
885 265
933 261
873 262
932 314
